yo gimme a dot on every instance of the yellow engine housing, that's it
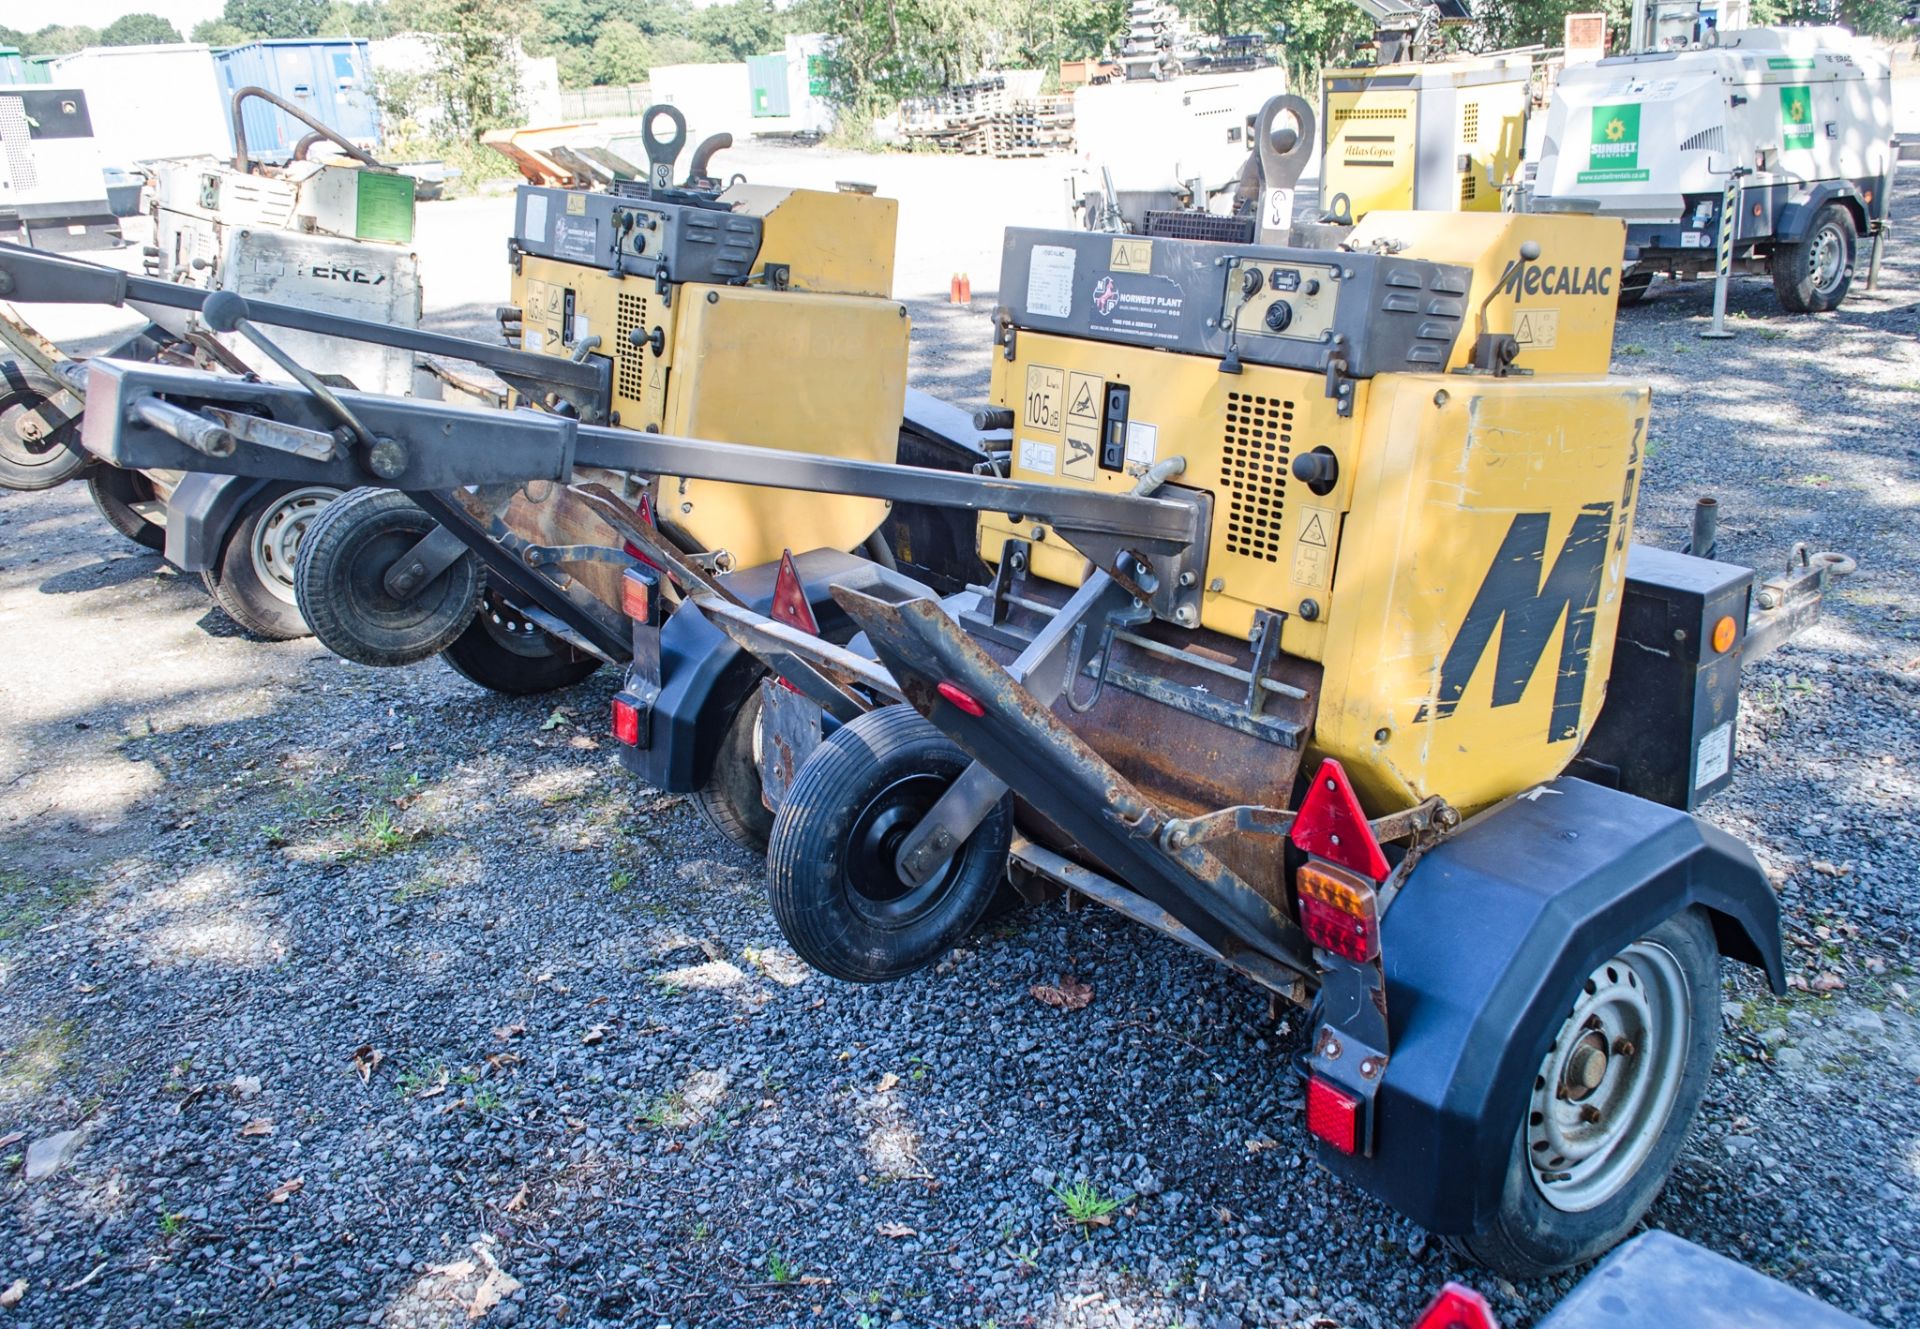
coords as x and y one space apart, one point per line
819 366
1460 583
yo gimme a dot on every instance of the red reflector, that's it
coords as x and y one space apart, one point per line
1333 1115
952 692
790 598
1332 930
1456 1306
626 722
1332 824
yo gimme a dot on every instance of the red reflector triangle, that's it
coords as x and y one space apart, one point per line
1332 825
1456 1306
790 599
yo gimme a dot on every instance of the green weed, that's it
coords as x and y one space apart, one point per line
1086 1208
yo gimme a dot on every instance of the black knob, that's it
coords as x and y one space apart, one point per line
1313 286
1317 469
989 418
1251 281
1279 314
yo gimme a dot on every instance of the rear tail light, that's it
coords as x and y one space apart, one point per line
626 721
961 699
1333 1115
1456 1306
637 594
1339 911
1332 825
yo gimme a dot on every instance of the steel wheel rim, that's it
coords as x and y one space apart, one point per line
514 631
1828 259
1609 1082
14 407
874 887
277 536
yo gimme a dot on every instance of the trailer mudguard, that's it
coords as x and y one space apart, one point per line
705 675
200 512
1492 931
1795 217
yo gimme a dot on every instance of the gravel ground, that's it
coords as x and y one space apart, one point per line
371 997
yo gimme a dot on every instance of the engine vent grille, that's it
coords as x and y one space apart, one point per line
1253 471
1345 113
1468 187
1201 226
631 360
1711 139
15 133
1470 123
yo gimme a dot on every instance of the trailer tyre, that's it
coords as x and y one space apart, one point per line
31 459
252 581
1814 273
730 801
1612 1104
340 582
505 652
114 493
830 872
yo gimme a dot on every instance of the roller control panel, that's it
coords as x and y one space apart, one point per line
638 237
1294 308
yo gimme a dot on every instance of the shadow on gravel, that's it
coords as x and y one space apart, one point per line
114 571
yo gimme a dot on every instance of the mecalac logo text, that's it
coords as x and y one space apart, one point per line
1551 279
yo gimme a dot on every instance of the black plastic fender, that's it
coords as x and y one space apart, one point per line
200 512
1493 929
705 675
1791 223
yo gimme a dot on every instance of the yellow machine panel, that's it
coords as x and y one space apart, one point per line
1479 584
808 373
841 242
1369 146
1441 137
563 305
1561 307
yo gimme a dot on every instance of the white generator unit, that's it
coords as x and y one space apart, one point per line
53 192
1806 116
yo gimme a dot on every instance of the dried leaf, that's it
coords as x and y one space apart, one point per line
887 1083
1071 995
597 1034
16 1290
258 1126
279 1194
500 1061
12 1137
507 1032
366 1060
895 1230
1261 1143
555 720
437 1088
582 743
1828 982
519 1200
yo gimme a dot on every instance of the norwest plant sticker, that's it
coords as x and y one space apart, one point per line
1615 153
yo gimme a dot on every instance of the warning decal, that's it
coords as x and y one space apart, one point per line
1538 329
1131 256
1037 456
1312 552
1046 387
1083 398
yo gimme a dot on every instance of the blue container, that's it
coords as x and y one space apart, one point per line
330 78
13 69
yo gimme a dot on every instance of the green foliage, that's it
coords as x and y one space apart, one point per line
476 77
219 32
621 53
1317 32
138 30
276 18
58 39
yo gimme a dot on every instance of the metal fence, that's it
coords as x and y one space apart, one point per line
603 103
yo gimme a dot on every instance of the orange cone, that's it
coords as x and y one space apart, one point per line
966 289
953 289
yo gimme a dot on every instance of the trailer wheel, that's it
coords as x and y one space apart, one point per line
504 651
252 580
340 582
830 873
114 493
1611 1105
730 801
29 459
1814 273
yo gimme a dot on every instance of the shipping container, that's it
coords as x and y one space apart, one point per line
13 69
330 78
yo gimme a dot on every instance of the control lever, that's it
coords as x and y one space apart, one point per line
1494 351
226 312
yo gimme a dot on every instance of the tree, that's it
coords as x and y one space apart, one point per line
139 30
476 66
60 39
277 18
219 32
621 54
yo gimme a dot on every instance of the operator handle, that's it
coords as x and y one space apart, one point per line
226 312
183 426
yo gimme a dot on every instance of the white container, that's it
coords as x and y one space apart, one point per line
151 102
